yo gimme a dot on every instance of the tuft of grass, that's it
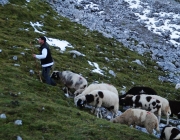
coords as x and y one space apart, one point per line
44 110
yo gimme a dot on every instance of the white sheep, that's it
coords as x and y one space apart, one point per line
170 133
138 117
91 87
101 98
70 80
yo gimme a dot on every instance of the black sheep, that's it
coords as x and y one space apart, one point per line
138 91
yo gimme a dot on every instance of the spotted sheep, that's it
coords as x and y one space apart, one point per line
153 103
90 88
70 80
170 133
166 110
100 98
138 117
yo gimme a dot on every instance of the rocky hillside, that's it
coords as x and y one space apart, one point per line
148 27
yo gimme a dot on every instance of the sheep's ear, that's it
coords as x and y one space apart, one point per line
100 93
89 98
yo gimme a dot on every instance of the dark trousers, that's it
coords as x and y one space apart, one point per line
46 76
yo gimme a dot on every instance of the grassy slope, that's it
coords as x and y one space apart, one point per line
61 119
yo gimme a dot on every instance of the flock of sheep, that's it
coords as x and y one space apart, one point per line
144 103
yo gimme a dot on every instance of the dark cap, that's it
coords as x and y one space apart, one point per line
43 38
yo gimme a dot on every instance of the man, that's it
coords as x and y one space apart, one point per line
46 60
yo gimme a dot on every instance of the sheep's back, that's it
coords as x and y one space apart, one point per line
92 87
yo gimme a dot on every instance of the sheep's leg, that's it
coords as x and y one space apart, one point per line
167 120
106 114
113 115
93 110
100 114
159 115
97 111
70 93
67 91
98 108
159 118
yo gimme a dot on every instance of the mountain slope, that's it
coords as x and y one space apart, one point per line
44 110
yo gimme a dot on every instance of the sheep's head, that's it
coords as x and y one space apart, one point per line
81 102
55 75
122 102
126 101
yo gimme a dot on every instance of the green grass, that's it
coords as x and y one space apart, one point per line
44 110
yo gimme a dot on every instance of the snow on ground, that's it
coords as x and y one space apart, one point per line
164 20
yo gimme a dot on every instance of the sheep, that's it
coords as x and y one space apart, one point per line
91 87
145 102
70 80
138 91
138 117
174 108
170 133
101 98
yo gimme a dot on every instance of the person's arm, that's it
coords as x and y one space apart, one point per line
43 55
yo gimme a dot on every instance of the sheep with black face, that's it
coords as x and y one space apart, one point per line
100 98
